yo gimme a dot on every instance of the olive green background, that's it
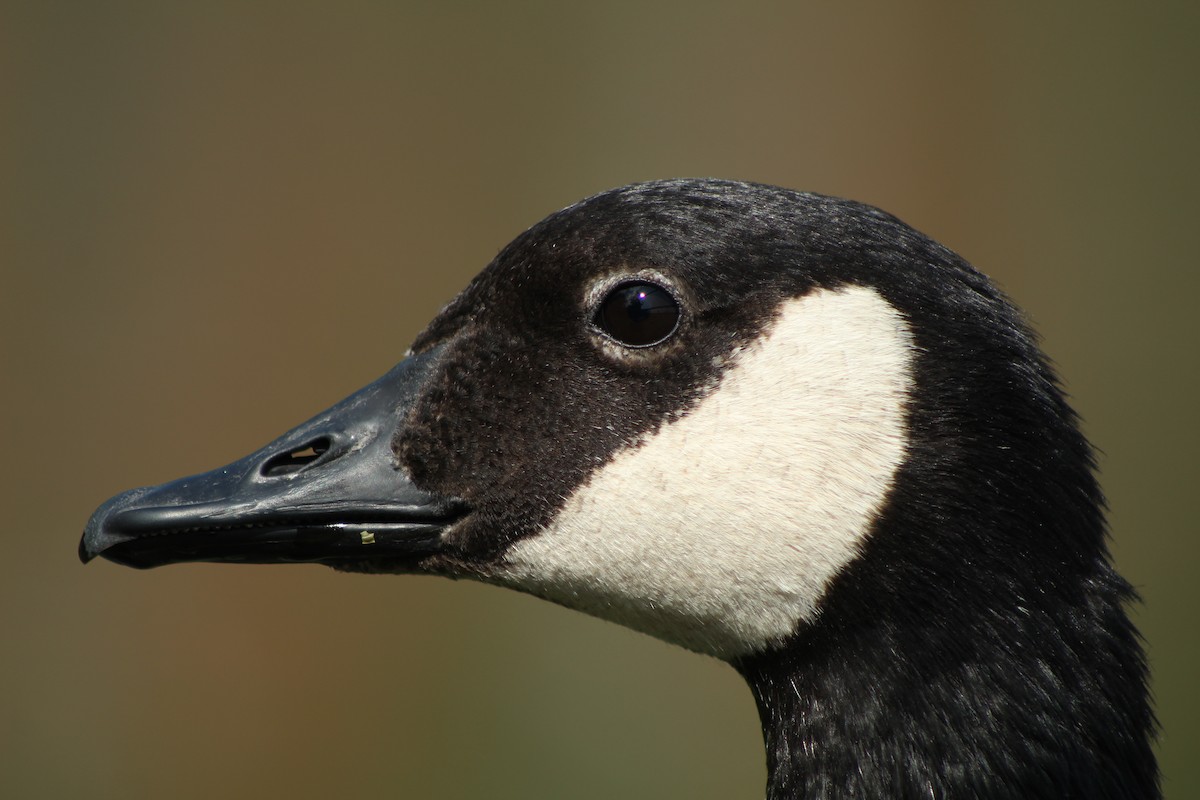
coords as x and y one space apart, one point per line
219 218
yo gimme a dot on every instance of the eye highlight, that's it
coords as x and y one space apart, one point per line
638 313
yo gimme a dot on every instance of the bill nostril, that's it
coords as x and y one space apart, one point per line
295 460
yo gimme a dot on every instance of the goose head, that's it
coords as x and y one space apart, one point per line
781 429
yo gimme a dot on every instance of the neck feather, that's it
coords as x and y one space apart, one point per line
1028 704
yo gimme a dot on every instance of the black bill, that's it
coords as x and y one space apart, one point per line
329 491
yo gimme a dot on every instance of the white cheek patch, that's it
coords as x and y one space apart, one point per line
722 531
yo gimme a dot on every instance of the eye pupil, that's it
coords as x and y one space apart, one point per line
638 314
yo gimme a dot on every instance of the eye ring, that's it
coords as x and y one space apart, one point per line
638 313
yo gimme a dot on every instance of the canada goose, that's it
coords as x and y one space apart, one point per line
781 429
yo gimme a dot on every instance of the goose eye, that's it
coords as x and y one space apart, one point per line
638 314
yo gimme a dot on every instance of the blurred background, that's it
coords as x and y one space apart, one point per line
216 219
